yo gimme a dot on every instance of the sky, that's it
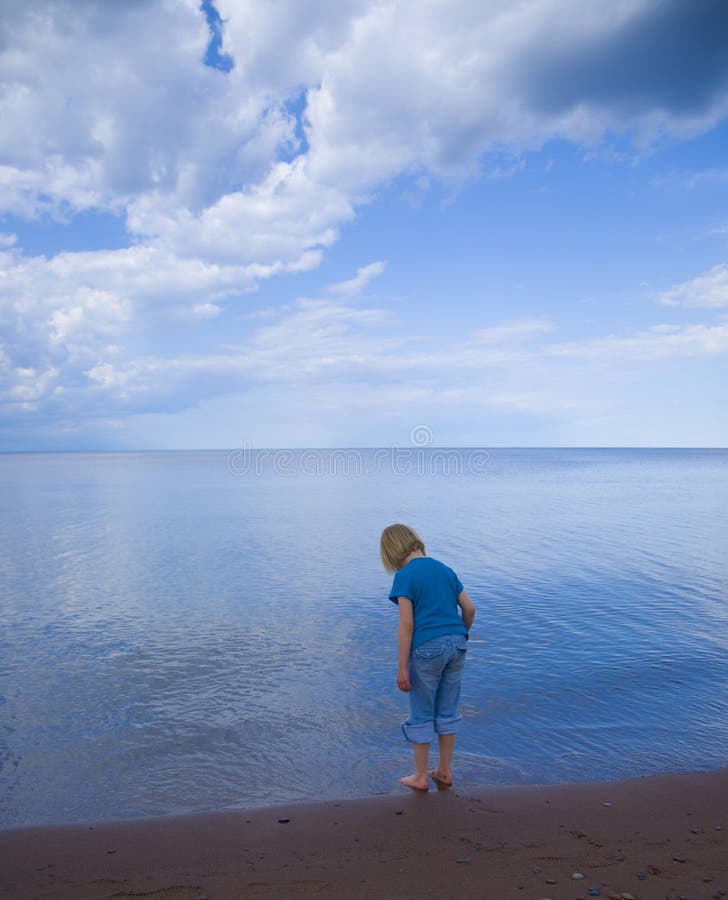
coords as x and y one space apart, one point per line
306 223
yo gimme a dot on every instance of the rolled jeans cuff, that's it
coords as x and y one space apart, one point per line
419 734
449 725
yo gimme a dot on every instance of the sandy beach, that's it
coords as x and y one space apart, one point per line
648 838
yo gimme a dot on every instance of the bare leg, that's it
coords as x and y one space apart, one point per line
418 781
447 748
443 773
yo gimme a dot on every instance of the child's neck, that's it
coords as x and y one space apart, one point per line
415 554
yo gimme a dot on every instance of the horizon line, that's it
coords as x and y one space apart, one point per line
393 446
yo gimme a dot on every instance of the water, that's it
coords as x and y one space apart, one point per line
196 631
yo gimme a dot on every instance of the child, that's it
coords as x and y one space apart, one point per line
432 642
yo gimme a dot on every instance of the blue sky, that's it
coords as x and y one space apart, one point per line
313 224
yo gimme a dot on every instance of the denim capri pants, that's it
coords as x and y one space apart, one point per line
435 671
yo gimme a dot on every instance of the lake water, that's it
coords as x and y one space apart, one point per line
194 631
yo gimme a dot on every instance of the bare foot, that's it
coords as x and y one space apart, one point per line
416 782
443 781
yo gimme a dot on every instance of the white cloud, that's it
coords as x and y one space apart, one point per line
355 285
203 311
109 106
708 290
226 179
73 315
284 222
508 332
91 98
105 292
64 316
326 345
660 342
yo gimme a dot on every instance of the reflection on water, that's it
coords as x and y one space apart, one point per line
177 634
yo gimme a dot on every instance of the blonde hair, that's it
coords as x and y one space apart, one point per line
396 544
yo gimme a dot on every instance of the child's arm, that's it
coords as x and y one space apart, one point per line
404 642
466 604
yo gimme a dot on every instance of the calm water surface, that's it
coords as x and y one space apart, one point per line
196 631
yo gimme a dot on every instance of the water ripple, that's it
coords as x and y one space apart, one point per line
175 638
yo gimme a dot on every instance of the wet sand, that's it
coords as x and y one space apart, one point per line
648 838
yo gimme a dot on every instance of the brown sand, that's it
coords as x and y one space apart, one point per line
649 838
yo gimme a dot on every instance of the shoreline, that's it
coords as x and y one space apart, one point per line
650 838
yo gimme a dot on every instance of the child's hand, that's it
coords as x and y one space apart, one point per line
403 682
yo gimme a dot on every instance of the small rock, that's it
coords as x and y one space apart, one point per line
537 870
464 859
696 831
551 881
627 897
607 803
577 876
284 820
679 859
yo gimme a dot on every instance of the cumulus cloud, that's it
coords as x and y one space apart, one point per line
226 178
284 222
109 106
91 100
59 318
642 64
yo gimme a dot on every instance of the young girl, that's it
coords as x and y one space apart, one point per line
432 642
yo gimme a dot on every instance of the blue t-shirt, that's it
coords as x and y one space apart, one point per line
433 589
